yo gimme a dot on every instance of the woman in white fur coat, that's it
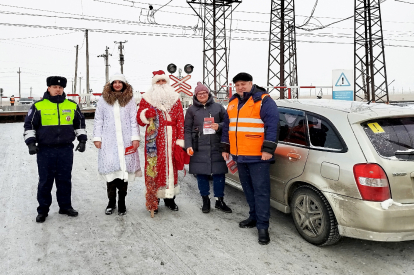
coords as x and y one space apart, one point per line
115 132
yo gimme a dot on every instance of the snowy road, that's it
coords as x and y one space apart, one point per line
183 242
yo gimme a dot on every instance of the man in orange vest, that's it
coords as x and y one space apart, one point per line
250 131
12 100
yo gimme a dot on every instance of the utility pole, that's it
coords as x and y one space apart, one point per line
76 69
88 98
106 56
80 85
20 94
121 55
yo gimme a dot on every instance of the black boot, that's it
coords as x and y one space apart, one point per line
220 204
249 223
41 218
170 203
122 192
111 191
111 207
206 204
263 236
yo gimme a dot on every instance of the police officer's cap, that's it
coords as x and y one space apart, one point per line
242 77
56 80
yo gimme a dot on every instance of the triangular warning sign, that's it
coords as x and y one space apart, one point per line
342 81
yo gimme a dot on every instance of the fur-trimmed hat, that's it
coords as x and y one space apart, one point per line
117 76
56 80
158 75
200 87
242 77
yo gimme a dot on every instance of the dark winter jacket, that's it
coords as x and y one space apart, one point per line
270 116
207 158
56 108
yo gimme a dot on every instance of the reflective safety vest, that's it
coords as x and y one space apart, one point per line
12 100
246 129
53 114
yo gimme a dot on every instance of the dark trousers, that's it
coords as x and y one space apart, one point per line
54 163
122 192
218 184
255 180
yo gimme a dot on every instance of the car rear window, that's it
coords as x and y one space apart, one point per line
392 137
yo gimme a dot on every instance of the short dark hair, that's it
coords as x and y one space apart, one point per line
242 77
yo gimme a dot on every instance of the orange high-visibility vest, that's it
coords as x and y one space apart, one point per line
12 100
246 128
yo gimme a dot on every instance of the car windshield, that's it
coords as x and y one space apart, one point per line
392 137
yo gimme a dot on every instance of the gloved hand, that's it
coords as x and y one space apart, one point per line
150 113
33 149
81 146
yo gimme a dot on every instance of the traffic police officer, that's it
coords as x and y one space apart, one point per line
249 134
53 123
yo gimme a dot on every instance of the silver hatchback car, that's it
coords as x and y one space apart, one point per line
344 169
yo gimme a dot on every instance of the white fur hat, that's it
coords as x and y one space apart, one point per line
117 76
158 75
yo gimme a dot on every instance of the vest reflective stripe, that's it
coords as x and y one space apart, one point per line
246 128
53 114
249 120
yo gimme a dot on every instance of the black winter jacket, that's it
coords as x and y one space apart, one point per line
207 158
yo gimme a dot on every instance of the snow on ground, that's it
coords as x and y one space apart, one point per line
183 242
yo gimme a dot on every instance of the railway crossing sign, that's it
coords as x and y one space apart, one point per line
180 85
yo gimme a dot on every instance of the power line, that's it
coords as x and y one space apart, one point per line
110 20
149 34
40 36
404 2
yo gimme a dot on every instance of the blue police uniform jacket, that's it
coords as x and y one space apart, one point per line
54 120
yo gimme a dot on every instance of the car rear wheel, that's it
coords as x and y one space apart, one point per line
313 217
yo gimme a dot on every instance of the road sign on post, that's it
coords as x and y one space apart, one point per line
342 85
180 85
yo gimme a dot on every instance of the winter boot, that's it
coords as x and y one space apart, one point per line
206 204
122 192
220 204
111 190
170 203
111 207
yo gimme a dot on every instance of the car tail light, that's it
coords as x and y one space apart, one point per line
372 182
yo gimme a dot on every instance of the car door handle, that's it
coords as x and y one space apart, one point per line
293 156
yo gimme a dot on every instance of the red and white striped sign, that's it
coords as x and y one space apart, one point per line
180 85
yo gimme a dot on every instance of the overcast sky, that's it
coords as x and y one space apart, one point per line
154 42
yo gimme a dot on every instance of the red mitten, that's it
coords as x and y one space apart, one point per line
150 113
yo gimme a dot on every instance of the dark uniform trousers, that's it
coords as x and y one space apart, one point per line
255 180
54 163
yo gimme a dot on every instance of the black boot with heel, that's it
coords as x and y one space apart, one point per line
206 204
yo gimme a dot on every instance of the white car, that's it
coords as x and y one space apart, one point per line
344 168
25 101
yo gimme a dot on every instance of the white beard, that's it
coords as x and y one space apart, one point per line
161 96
